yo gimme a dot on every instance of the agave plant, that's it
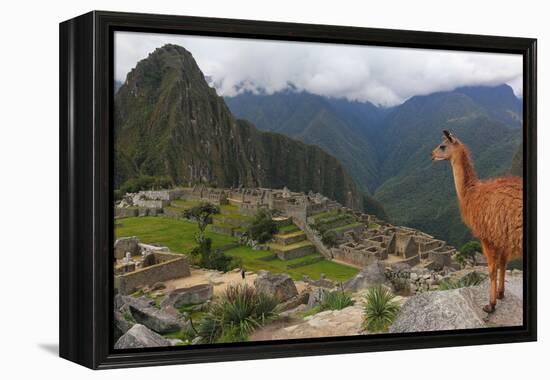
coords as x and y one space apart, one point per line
239 311
336 300
380 310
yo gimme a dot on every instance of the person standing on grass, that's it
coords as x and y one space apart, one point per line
243 274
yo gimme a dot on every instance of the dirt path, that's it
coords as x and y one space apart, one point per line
219 280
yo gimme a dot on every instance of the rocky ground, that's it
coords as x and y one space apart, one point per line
147 320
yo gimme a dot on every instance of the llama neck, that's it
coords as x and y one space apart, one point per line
464 173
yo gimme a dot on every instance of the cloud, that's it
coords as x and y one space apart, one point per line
381 75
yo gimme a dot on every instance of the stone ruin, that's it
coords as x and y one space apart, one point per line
358 246
138 265
394 245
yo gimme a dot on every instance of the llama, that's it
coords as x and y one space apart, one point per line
492 209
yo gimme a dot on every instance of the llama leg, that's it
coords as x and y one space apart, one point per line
501 273
492 266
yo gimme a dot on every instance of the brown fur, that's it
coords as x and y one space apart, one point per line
492 209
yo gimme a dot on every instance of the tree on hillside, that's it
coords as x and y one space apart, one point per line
202 214
263 227
202 253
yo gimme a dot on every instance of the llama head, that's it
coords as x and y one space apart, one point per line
447 148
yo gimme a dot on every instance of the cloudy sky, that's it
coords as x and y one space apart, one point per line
383 76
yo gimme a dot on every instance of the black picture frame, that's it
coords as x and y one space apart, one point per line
86 166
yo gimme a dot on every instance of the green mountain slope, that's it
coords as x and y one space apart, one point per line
169 122
328 123
420 193
388 151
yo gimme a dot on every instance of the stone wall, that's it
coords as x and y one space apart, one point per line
151 203
164 195
295 253
360 258
122 212
169 266
126 244
441 258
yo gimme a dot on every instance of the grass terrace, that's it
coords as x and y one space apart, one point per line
345 227
176 234
179 236
288 229
289 247
313 265
184 203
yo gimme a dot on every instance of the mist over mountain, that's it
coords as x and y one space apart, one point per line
387 150
169 122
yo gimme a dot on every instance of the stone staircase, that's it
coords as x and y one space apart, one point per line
291 245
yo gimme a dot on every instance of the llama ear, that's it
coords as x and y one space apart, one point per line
449 136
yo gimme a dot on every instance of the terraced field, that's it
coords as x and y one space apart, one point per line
333 222
310 265
178 236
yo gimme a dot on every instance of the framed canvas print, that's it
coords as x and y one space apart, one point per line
236 189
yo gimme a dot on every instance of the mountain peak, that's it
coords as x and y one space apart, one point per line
169 122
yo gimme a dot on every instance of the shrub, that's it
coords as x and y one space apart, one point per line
329 239
380 310
336 300
203 256
471 279
468 252
263 227
236 314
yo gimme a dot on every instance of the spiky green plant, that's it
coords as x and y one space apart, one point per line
239 311
336 300
380 310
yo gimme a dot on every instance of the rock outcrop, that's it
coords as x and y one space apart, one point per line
193 295
121 325
155 319
140 336
460 309
316 297
371 275
280 286
345 322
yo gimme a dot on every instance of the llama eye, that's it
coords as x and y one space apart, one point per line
442 147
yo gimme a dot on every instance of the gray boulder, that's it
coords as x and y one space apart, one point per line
188 296
439 310
294 302
121 325
127 244
280 286
316 297
155 319
140 336
509 310
460 309
371 275
123 303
